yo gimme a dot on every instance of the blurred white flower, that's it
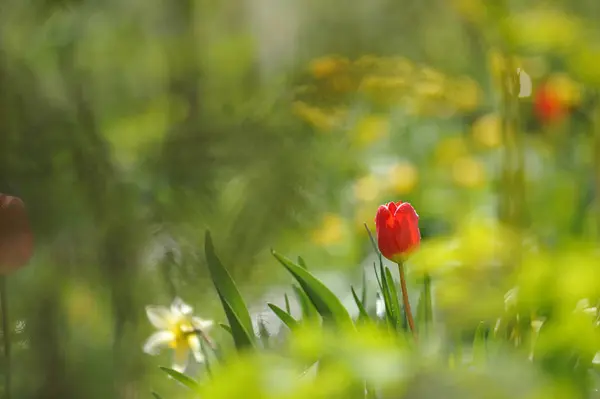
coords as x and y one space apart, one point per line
380 306
583 306
525 86
178 330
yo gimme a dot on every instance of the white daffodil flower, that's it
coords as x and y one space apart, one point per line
178 330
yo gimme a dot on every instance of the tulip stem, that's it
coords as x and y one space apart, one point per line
6 336
405 301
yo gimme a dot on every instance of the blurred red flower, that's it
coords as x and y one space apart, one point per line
16 238
548 106
397 230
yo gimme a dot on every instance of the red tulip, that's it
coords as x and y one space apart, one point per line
16 238
397 230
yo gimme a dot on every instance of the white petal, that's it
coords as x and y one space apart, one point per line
159 316
194 343
201 324
157 341
180 358
524 83
180 308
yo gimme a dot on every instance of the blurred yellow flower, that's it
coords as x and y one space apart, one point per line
464 93
568 91
364 213
331 230
383 90
324 121
367 61
403 177
327 66
367 188
341 83
449 149
370 129
487 131
468 172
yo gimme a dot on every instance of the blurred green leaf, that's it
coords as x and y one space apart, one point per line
203 345
302 263
479 345
156 396
285 317
326 302
425 307
182 378
263 333
233 304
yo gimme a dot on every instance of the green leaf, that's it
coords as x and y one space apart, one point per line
393 298
285 317
308 309
363 298
302 263
385 294
241 337
233 303
479 345
362 313
226 328
327 304
288 308
182 378
155 395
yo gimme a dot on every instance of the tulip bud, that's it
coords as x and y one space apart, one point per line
16 238
397 230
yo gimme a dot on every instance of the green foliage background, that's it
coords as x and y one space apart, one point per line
130 127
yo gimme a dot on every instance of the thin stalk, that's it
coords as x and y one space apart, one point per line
405 301
6 333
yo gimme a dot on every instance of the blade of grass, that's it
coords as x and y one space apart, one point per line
394 299
302 263
308 310
288 308
285 317
225 327
362 313
326 302
182 378
363 298
233 303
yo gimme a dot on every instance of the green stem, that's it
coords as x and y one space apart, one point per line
6 333
405 301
